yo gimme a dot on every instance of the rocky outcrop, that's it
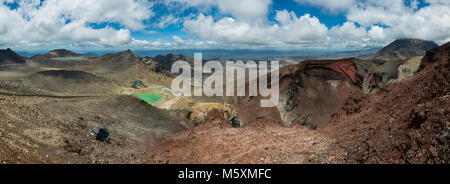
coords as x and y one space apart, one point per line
206 112
385 73
152 65
434 55
380 74
407 69
167 61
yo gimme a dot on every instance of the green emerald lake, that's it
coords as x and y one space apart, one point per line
149 97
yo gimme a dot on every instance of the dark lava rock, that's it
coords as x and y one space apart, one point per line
67 74
167 61
101 133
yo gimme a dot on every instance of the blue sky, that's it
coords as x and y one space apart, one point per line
176 29
220 24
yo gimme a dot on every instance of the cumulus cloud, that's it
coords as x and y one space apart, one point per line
246 10
226 29
220 23
290 30
348 31
58 21
298 30
333 6
377 22
379 34
348 35
147 44
431 22
165 21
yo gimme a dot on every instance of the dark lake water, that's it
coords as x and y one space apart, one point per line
70 59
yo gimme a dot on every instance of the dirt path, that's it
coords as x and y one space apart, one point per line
264 141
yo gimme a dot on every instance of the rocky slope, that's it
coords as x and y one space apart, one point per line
57 130
128 67
408 122
402 49
312 90
167 61
9 56
62 53
437 54
309 92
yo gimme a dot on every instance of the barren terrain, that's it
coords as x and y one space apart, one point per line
331 111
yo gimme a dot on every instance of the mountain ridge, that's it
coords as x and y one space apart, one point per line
405 48
9 56
61 53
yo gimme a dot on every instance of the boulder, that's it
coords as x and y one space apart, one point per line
101 134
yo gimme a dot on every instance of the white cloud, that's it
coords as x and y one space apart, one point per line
430 23
348 36
167 20
178 40
146 44
59 21
331 5
290 30
379 34
299 30
220 23
348 31
245 10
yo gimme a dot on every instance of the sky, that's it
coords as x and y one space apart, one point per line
219 24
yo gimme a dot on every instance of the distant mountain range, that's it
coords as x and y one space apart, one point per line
400 49
231 54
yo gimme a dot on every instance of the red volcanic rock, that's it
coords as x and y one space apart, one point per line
309 92
345 68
